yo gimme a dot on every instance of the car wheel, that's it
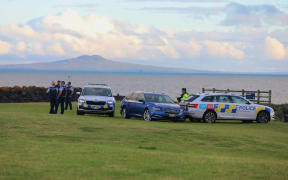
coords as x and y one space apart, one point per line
80 112
146 115
124 113
210 117
111 114
263 117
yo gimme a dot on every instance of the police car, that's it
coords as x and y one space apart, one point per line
213 106
96 99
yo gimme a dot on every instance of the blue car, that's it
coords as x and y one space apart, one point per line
151 106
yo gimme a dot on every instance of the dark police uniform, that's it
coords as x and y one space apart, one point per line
69 91
61 99
53 92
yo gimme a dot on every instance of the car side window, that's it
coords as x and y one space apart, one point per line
140 96
239 100
129 96
223 99
208 99
132 96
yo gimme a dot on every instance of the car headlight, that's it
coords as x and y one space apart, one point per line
156 108
109 102
81 101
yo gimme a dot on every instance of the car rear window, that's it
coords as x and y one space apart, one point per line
192 98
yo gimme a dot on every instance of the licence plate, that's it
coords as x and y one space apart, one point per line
95 107
172 115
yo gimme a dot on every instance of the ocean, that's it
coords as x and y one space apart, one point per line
171 84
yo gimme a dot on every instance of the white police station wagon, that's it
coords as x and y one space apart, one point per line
212 106
96 99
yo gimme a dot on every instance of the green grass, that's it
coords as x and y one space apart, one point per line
36 145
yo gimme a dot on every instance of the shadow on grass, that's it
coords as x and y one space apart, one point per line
60 137
148 147
90 129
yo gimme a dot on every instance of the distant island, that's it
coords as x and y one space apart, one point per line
94 63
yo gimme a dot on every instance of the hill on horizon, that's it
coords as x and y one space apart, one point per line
94 63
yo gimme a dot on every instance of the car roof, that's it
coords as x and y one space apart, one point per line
97 86
149 92
217 93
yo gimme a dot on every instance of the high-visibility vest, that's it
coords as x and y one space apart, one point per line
184 97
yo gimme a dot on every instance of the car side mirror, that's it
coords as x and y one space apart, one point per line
142 100
78 93
248 103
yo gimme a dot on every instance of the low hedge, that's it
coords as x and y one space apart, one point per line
19 94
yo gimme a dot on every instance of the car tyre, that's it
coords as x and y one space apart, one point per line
263 117
112 114
80 112
124 113
210 117
146 115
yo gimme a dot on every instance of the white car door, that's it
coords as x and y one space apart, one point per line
224 107
245 110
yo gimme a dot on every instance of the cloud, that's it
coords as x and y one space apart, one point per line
186 10
222 50
254 15
181 1
85 6
235 14
70 34
275 50
4 47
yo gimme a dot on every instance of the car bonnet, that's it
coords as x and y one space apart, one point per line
168 106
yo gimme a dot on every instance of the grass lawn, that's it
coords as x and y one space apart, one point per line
36 145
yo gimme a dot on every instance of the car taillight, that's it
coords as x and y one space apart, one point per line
193 105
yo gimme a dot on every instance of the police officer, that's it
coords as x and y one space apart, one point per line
184 95
58 84
61 97
69 93
52 91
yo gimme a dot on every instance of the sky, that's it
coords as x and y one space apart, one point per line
215 35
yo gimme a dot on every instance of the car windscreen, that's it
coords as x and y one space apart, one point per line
158 98
97 92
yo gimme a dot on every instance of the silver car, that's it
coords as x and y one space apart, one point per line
212 106
96 99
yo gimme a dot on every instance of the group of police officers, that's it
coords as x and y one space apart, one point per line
60 94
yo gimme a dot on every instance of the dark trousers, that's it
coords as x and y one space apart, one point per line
52 105
68 102
60 101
